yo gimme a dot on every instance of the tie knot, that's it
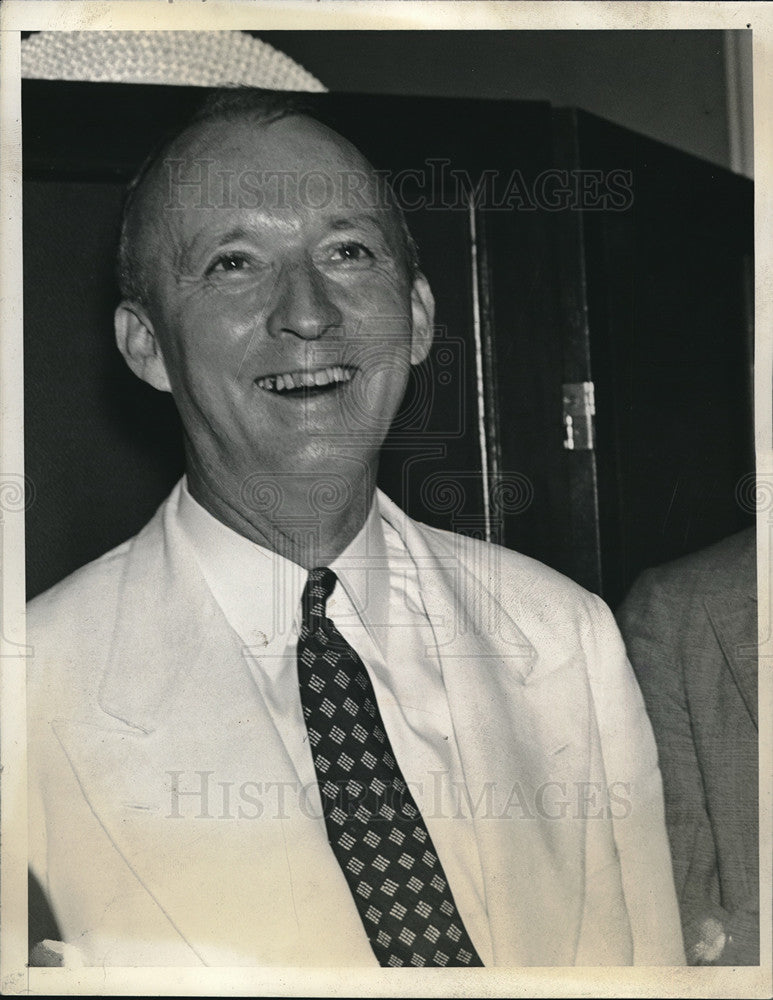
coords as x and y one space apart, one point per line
319 587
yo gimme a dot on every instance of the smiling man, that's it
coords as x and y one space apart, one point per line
281 329
285 724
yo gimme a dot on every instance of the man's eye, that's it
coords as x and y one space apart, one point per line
353 252
228 263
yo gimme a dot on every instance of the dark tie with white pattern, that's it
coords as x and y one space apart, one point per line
373 825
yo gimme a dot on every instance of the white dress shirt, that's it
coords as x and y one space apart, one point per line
377 607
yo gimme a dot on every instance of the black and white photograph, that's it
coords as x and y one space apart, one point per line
383 470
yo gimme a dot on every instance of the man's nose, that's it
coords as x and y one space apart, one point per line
300 304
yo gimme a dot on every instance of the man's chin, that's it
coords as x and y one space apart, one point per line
322 479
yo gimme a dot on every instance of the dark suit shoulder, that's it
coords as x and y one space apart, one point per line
729 563
684 605
728 567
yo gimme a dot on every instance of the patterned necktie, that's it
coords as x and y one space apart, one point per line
373 825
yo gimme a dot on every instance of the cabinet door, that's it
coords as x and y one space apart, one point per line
669 285
620 309
541 346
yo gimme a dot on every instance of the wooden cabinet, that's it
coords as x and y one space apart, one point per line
572 262
651 277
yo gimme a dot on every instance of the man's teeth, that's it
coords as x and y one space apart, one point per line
301 380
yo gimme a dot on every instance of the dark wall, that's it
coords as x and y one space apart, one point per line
669 85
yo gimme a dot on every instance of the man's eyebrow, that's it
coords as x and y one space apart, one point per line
204 236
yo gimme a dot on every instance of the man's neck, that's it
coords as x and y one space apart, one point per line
281 515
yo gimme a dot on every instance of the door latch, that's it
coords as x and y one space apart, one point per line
579 411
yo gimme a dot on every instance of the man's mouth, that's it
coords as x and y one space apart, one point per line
306 383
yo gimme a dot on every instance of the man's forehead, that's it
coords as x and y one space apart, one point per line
286 143
291 163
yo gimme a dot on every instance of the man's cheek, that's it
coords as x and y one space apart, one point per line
375 294
209 359
380 342
215 324
212 302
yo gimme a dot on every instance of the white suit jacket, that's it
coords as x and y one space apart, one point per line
136 675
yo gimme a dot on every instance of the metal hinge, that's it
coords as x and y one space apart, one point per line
579 410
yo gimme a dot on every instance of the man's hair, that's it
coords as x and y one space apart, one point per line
262 108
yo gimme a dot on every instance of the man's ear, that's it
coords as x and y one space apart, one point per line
139 345
423 316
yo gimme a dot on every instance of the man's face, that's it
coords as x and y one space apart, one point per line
286 322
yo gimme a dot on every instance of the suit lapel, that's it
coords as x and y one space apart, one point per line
160 636
196 789
735 625
516 712
208 814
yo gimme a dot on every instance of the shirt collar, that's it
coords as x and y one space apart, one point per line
259 591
